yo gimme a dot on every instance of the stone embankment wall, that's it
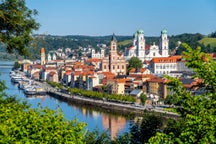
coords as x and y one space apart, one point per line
106 105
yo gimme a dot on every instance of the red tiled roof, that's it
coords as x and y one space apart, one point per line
121 80
93 60
68 72
157 79
50 68
171 59
140 70
37 66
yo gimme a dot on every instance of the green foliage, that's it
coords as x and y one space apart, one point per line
172 99
198 123
134 62
95 137
55 84
141 131
16 65
170 110
99 95
16 25
207 40
123 139
213 35
191 39
143 98
21 124
51 42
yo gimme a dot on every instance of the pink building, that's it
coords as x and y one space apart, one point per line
114 63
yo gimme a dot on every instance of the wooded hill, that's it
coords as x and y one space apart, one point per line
51 42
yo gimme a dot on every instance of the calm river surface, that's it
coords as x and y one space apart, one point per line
94 118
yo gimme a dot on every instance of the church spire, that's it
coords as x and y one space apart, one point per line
113 37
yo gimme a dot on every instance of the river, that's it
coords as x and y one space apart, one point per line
95 119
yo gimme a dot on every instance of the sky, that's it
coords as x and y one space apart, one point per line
124 17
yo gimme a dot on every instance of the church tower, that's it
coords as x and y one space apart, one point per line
49 57
113 45
140 45
43 56
114 63
54 56
164 44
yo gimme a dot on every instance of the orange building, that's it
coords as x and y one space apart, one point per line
43 56
114 63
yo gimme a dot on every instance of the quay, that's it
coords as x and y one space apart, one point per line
103 104
106 105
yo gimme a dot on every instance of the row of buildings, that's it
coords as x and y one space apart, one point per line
109 72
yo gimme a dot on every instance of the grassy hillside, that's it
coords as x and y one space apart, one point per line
208 41
125 43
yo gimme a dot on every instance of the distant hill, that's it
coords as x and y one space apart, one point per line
53 42
209 43
50 42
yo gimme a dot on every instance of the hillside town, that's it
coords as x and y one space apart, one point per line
109 74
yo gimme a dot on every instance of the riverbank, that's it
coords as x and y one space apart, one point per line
108 106
129 109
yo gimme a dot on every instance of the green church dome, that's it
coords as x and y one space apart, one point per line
164 31
140 31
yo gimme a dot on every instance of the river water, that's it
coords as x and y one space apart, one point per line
95 119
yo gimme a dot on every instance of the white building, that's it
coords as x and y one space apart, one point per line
145 52
51 56
98 54
164 65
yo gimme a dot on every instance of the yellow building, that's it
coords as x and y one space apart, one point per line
116 86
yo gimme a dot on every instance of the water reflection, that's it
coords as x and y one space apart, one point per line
94 117
113 123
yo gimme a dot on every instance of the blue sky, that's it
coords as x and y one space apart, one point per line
124 17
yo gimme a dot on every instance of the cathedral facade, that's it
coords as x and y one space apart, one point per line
147 52
114 63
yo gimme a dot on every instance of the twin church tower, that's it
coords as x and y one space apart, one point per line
147 52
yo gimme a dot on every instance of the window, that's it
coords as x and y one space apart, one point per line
118 66
153 54
113 47
122 66
105 67
113 66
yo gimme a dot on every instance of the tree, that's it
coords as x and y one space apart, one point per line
95 137
134 62
198 112
16 65
16 25
21 124
143 98
141 131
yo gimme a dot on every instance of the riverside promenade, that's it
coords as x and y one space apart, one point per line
107 105
104 104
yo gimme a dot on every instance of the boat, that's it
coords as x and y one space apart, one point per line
16 78
34 90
